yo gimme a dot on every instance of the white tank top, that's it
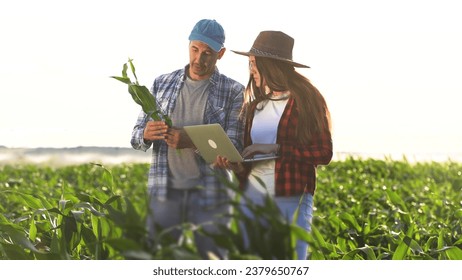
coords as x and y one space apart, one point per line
264 131
266 121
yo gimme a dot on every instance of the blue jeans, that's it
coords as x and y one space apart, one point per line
287 205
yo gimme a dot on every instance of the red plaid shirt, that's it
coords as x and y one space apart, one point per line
295 169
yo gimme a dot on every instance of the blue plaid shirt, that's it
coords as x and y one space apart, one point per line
224 102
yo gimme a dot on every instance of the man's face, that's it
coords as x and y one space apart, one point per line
202 60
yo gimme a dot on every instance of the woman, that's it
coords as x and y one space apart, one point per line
285 115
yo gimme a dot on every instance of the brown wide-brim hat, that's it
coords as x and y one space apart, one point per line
273 44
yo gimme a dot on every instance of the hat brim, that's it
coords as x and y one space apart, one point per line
295 64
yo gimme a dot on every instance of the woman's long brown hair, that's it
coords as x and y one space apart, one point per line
314 115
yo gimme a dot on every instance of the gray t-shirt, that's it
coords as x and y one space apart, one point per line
184 171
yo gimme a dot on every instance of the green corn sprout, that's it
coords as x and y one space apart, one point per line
142 96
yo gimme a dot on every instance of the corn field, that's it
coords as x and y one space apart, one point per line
365 209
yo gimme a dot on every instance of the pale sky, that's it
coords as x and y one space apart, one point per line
389 70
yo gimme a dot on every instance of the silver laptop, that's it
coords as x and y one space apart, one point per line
211 140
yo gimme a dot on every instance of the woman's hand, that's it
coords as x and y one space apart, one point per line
256 149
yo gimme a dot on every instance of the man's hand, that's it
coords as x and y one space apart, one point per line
155 130
222 162
178 138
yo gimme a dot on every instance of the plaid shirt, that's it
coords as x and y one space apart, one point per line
224 101
295 169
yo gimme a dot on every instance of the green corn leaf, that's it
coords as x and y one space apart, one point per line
440 240
141 94
402 249
369 252
18 237
90 239
32 230
350 220
108 179
112 199
89 207
31 201
15 252
133 69
124 70
135 96
396 200
318 238
454 253
124 80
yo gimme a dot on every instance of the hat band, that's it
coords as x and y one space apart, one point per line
260 52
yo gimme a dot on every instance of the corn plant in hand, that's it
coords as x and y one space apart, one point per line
141 95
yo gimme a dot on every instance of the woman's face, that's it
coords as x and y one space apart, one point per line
254 71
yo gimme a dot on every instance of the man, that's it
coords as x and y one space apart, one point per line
182 187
